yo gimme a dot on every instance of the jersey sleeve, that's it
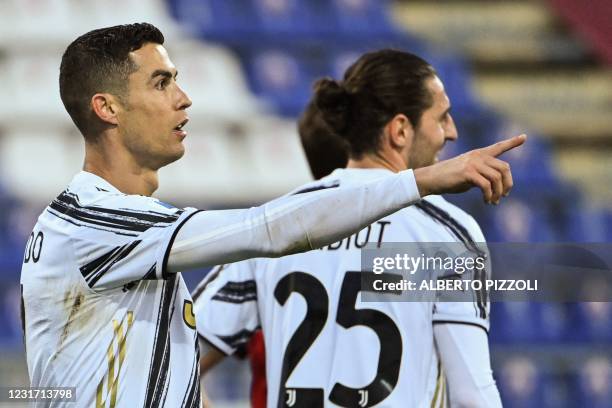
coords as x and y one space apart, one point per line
122 239
290 224
473 309
225 306
464 352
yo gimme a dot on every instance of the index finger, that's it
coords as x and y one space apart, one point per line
505 145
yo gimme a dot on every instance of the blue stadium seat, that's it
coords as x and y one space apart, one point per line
341 54
521 218
339 60
454 73
553 322
295 19
528 322
589 224
11 243
514 322
593 383
527 383
363 17
591 322
284 17
521 383
220 20
476 127
282 78
193 15
11 333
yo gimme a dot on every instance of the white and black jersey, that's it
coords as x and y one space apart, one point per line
324 345
100 312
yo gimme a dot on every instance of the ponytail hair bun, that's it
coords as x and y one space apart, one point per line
334 103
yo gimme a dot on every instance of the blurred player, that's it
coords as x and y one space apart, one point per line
104 307
325 347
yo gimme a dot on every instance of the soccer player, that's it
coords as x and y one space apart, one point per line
104 306
324 345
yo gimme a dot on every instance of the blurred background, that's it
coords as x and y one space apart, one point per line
543 67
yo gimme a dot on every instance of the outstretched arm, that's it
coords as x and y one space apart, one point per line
303 222
289 224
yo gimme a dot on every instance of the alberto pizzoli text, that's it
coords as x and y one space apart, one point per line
456 285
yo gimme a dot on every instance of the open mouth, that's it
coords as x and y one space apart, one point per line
179 127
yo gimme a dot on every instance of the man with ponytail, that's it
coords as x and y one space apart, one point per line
390 113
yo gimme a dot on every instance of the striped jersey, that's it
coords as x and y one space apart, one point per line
324 345
100 311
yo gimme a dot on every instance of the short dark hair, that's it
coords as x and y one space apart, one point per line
99 61
325 151
378 86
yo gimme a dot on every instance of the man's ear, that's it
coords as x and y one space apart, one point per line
400 131
105 107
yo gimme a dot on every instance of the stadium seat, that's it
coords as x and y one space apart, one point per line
294 20
280 16
103 14
363 18
521 384
521 218
589 224
454 73
340 60
273 144
212 167
514 322
280 77
10 244
220 20
593 383
23 153
236 161
213 78
341 54
10 292
553 322
591 322
476 127
32 90
29 21
195 16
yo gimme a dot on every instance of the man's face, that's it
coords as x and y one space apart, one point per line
435 128
155 108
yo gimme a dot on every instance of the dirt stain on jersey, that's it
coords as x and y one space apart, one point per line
73 300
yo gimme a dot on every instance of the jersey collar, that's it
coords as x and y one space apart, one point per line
85 178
